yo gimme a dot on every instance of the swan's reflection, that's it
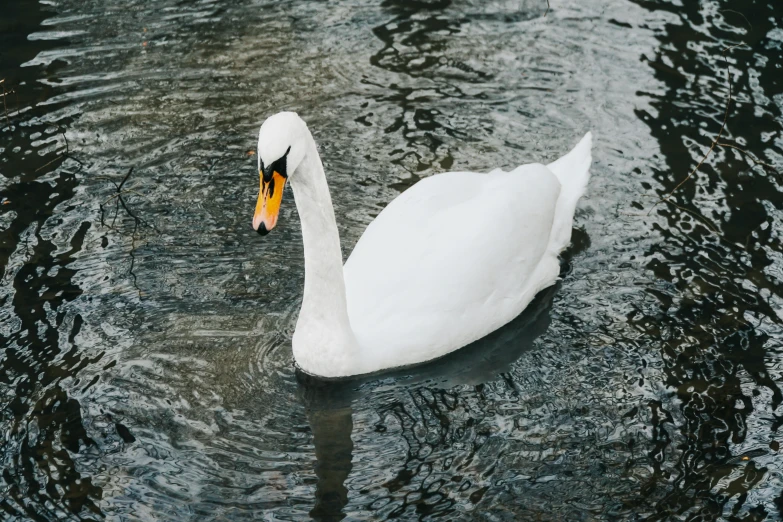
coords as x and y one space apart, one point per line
331 429
329 403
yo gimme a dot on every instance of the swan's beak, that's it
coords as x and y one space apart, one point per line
268 206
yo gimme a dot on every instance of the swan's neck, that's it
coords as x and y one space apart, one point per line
323 342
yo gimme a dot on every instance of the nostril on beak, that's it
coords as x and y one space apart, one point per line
262 229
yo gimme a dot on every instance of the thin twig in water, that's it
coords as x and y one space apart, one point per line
130 171
68 149
120 201
731 48
107 178
66 154
136 218
116 212
118 192
737 12
547 8
137 221
16 96
5 106
116 195
701 218
715 141
697 216
752 158
57 157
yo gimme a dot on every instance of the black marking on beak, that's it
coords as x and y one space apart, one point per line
271 188
262 231
279 166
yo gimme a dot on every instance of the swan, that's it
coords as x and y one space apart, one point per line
448 261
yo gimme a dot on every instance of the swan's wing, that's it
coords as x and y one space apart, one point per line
450 260
573 172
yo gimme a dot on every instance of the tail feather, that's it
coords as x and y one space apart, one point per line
573 171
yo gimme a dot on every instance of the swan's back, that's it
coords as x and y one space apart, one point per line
457 256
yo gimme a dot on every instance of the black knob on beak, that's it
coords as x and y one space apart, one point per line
262 229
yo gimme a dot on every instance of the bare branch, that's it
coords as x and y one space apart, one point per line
750 26
5 105
714 141
750 156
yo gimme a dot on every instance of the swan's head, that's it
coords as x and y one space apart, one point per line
281 148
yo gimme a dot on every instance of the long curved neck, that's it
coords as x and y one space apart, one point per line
323 343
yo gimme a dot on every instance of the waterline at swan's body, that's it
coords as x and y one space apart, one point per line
450 260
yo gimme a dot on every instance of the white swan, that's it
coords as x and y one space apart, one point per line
448 261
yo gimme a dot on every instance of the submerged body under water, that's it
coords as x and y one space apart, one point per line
146 370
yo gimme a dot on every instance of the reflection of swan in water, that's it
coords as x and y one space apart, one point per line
331 429
329 411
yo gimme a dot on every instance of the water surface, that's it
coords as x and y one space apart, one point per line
146 371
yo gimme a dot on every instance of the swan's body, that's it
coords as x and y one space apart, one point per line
450 260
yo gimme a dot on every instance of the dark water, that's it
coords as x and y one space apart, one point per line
146 370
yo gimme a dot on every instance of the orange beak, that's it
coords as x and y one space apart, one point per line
268 206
